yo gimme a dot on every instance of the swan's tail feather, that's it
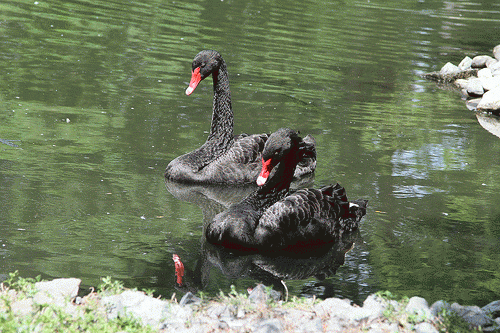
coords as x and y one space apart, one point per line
358 208
350 212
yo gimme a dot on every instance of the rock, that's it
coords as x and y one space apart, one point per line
494 66
496 52
492 125
471 104
491 62
136 303
490 83
419 307
490 100
425 328
375 305
438 306
484 72
260 295
218 311
449 69
480 61
334 307
461 83
57 291
303 321
189 298
465 63
22 307
269 326
450 78
382 327
493 308
472 314
474 87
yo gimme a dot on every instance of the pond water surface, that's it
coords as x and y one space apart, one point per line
92 92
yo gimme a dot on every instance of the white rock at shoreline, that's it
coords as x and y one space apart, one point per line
494 66
465 64
490 83
496 52
474 87
490 100
484 72
481 61
449 69
57 291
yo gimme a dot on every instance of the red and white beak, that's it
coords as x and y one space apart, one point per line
264 173
195 79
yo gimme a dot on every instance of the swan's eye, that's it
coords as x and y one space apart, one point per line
203 65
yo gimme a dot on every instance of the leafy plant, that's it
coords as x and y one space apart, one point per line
449 321
109 285
25 285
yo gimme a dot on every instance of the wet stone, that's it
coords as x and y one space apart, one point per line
496 52
480 61
474 87
466 63
490 100
449 69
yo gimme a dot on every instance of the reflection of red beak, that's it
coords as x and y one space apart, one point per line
179 268
264 174
195 79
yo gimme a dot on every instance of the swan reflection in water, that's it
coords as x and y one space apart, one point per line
269 269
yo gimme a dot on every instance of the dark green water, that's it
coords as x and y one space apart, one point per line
94 92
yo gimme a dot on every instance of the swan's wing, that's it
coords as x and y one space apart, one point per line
309 215
240 164
246 149
303 216
234 228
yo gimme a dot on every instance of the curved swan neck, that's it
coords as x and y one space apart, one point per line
278 186
222 115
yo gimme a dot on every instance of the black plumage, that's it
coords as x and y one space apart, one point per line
224 158
272 218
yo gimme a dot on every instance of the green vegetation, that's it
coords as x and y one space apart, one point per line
109 285
25 285
450 322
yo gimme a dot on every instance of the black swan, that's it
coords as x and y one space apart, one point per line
224 158
272 219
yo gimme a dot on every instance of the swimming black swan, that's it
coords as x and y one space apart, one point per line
223 158
272 219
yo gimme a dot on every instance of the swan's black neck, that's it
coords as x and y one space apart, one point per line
222 115
278 185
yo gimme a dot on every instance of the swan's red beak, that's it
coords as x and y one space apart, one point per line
195 79
264 173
